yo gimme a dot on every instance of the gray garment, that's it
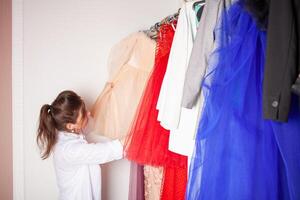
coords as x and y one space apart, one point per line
136 183
203 46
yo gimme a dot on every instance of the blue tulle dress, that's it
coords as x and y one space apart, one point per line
239 155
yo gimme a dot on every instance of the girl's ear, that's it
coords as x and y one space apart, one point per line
70 126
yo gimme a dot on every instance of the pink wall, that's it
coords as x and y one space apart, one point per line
6 177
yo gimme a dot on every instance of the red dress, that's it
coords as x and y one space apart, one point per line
174 183
148 141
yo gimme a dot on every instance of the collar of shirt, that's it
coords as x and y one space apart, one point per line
70 134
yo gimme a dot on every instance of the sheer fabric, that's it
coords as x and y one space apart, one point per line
238 154
129 65
148 140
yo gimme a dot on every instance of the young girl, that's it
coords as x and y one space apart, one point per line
76 162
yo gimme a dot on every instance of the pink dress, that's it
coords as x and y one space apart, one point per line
130 63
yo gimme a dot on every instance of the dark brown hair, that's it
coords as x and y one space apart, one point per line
64 109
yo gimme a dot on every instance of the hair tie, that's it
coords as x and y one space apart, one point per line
49 109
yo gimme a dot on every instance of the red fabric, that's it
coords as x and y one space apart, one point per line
174 183
148 141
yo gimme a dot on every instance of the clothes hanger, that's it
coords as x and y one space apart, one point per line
199 12
153 31
201 2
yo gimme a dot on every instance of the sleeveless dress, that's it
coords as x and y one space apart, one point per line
148 141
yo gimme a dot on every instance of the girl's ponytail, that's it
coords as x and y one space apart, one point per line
46 137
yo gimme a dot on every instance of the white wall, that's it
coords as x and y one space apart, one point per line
66 45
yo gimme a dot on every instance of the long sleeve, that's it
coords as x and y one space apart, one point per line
169 102
203 46
80 152
282 58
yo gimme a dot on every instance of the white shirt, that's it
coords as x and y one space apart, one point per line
181 122
77 165
170 96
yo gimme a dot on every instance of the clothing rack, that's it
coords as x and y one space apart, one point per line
153 31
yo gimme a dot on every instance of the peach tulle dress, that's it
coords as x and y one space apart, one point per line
129 65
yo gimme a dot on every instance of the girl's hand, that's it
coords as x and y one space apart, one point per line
89 126
122 140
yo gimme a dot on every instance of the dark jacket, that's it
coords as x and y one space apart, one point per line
282 58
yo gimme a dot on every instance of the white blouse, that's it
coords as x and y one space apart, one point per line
181 122
169 101
77 165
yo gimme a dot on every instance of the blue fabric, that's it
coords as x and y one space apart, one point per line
239 155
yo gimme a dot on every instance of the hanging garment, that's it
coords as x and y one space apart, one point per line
282 59
203 46
148 140
136 183
130 64
153 182
174 183
245 156
169 101
180 121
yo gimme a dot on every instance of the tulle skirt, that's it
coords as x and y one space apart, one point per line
148 140
239 155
